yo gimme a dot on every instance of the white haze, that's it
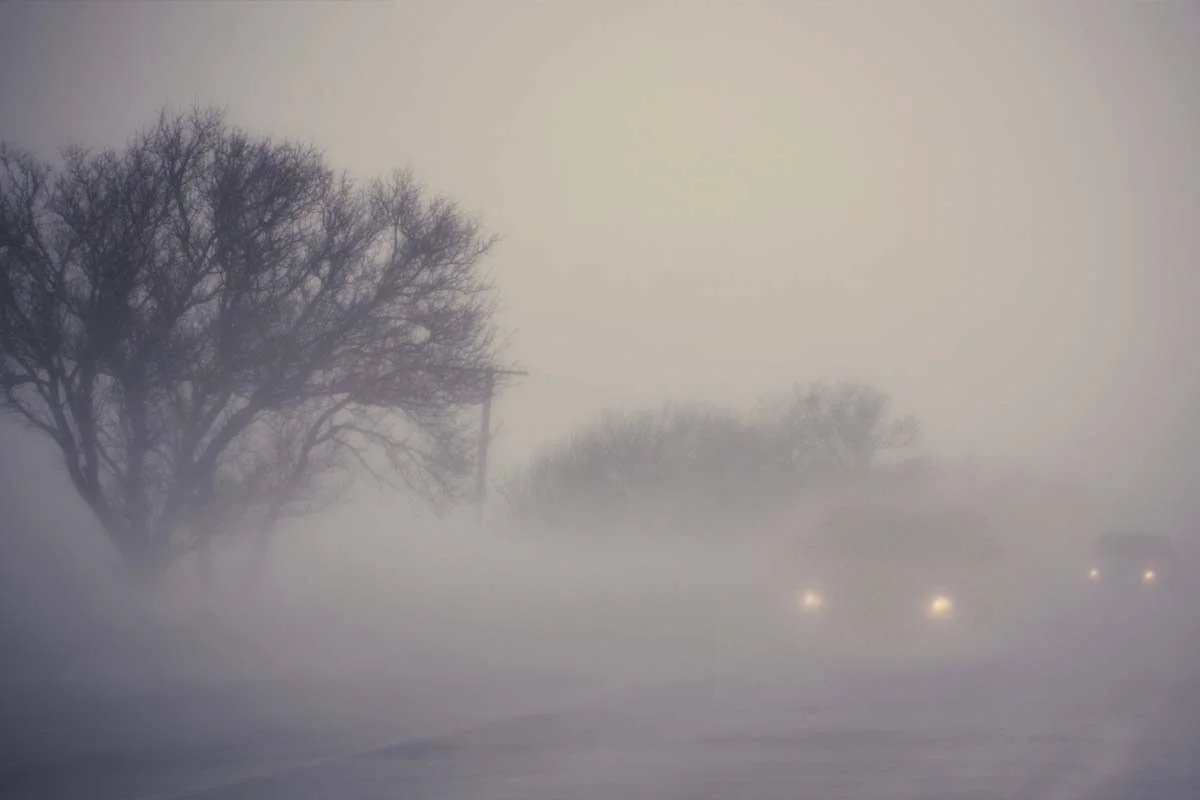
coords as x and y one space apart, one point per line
988 210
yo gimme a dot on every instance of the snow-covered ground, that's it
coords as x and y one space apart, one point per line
456 667
1106 714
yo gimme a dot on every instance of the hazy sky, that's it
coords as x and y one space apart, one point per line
989 209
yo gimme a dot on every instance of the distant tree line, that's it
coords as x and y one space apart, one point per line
702 469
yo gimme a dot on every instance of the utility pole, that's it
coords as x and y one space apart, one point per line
485 436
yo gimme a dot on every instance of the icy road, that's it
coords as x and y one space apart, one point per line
1102 715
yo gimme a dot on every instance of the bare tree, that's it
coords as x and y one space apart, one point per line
212 327
689 469
836 431
705 469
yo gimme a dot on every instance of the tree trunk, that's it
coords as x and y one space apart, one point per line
204 569
258 559
147 567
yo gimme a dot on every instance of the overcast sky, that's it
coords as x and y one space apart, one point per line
988 209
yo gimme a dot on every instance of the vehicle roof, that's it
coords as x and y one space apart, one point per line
1133 543
905 531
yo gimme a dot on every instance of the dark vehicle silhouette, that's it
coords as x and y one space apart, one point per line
1132 586
1130 560
894 576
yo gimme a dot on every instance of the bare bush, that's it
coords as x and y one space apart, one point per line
699 469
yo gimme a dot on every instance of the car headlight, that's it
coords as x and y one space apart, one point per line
811 601
940 606
1094 574
1149 576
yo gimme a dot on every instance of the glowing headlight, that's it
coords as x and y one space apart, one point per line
1094 574
940 606
811 601
1149 576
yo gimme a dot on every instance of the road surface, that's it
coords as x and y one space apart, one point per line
1111 714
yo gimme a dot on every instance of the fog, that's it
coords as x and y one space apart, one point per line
985 210
388 596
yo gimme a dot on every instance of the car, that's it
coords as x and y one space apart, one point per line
896 576
1125 560
1127 585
